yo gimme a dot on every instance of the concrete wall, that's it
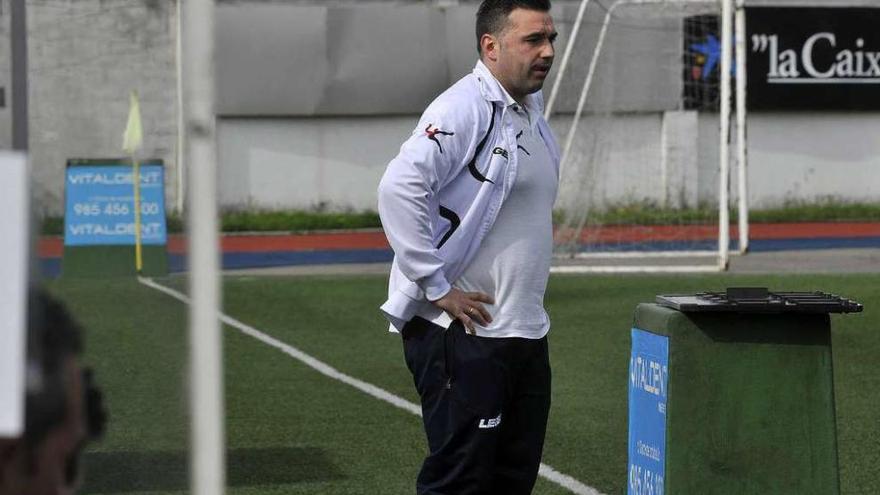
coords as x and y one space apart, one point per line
306 162
806 156
84 56
316 96
337 162
368 59
319 159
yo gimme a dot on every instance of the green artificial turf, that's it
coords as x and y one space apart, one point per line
292 430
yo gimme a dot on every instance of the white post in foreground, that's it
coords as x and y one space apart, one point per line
15 224
741 154
206 385
724 144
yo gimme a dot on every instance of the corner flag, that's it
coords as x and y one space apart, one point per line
132 140
133 137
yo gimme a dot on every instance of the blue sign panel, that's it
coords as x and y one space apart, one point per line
648 380
100 205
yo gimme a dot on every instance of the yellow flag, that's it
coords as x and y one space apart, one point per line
133 137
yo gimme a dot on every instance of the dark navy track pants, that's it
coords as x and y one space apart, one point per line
485 403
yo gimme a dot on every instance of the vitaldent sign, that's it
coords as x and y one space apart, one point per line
813 58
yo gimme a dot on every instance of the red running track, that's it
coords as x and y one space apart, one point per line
52 247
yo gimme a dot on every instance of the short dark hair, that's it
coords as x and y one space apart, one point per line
492 14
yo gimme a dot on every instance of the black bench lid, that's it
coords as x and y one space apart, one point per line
759 300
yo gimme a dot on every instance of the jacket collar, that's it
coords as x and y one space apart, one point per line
492 90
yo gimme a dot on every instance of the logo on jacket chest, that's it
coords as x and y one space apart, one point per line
432 133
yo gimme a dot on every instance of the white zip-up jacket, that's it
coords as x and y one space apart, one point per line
441 194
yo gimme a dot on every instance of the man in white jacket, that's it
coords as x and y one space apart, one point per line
467 208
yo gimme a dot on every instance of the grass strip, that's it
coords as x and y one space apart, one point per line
629 214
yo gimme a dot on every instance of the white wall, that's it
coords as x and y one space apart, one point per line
306 162
803 156
337 162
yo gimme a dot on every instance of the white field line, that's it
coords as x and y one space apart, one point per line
580 269
545 471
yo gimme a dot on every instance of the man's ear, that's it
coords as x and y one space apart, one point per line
489 45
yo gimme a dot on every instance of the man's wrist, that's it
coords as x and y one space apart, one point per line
436 286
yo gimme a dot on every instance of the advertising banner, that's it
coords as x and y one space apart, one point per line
100 205
648 381
813 58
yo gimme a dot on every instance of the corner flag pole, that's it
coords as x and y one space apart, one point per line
136 176
132 139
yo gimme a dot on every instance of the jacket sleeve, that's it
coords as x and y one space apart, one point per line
432 155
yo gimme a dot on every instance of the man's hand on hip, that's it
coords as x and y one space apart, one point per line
466 307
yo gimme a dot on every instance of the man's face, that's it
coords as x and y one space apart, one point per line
523 52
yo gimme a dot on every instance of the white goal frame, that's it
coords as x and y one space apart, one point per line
723 252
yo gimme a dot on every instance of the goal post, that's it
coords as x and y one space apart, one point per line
741 150
645 119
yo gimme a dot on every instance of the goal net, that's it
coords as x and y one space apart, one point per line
638 116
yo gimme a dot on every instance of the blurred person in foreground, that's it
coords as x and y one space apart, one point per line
467 208
63 408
